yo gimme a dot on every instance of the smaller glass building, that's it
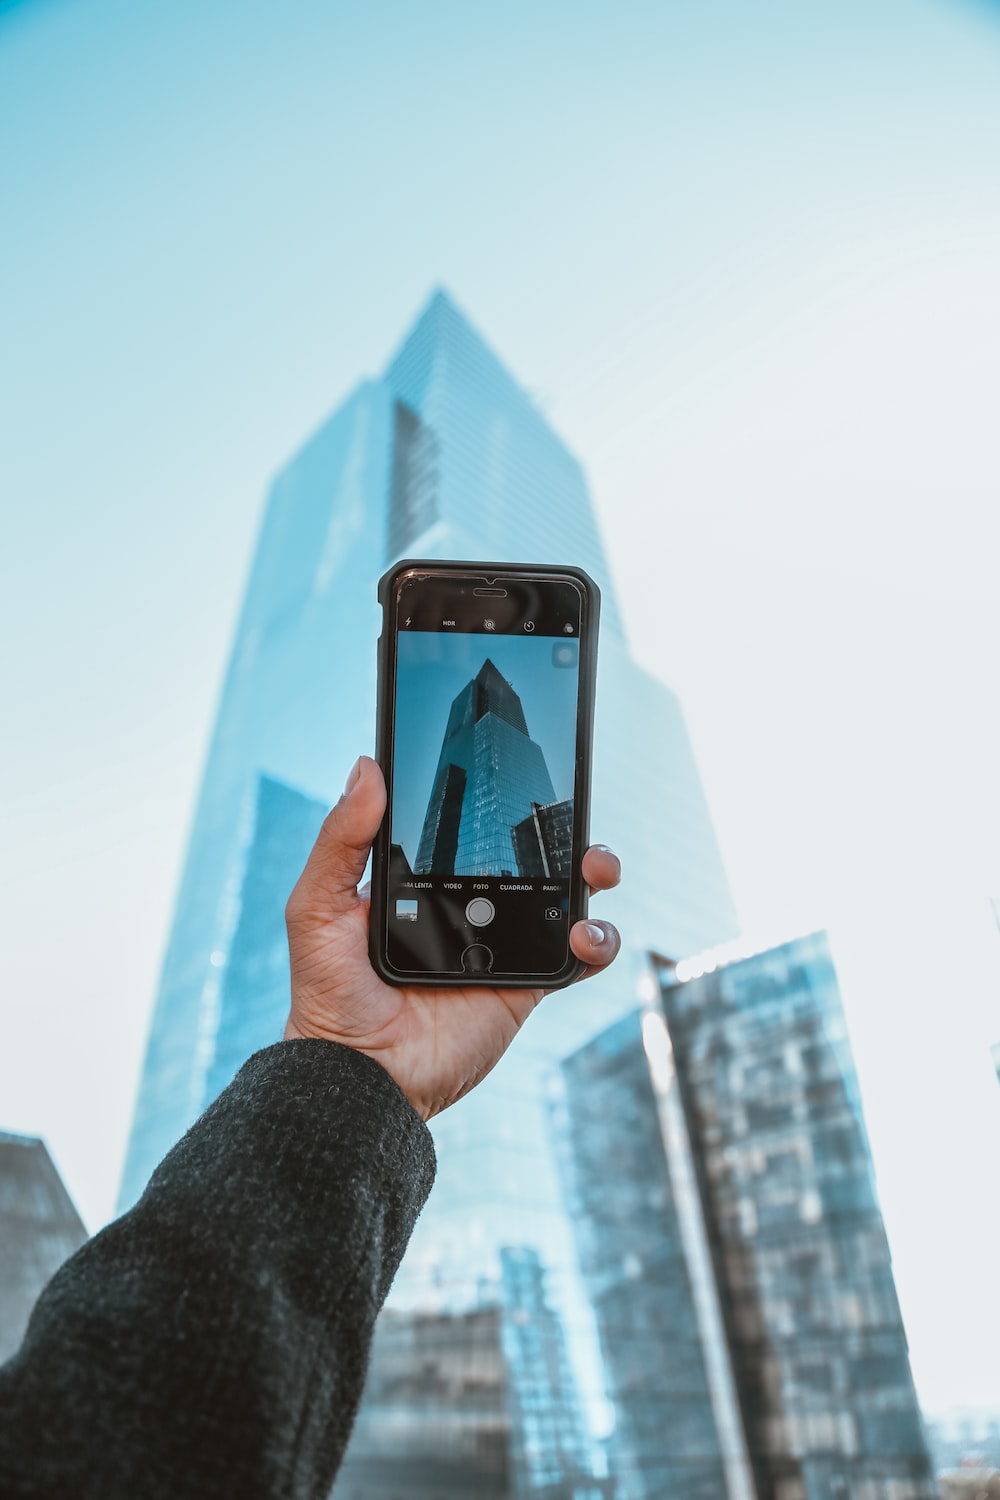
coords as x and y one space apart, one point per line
550 1447
627 1222
434 1423
731 1239
477 1401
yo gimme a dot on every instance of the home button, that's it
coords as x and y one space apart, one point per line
477 959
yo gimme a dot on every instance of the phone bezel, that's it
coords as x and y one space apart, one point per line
485 573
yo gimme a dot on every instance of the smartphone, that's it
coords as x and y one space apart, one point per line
484 732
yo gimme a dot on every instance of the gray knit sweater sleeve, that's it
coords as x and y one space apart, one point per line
213 1341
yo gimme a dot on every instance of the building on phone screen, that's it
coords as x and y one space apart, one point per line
543 841
443 455
490 774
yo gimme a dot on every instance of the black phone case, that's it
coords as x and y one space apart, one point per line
384 755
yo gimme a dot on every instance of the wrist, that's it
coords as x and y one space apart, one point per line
293 1033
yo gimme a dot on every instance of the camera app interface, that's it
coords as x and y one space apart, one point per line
483 776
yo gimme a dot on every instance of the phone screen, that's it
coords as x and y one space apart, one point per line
483 783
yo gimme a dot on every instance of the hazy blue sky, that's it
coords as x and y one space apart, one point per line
746 256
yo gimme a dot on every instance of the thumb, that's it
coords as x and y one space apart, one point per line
329 883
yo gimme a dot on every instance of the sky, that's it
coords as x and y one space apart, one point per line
744 255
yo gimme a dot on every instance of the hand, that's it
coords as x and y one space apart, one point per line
437 1043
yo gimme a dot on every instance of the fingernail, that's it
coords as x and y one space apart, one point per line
605 849
596 934
353 778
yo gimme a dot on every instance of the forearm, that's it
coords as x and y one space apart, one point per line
213 1341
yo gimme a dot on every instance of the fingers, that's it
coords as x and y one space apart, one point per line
329 882
602 868
596 943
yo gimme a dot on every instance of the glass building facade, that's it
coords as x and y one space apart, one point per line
443 456
550 1446
730 1218
627 1222
253 982
435 1422
475 1402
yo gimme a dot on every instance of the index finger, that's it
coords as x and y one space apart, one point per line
602 869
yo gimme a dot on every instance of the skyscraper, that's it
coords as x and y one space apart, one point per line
443 456
729 1212
39 1229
